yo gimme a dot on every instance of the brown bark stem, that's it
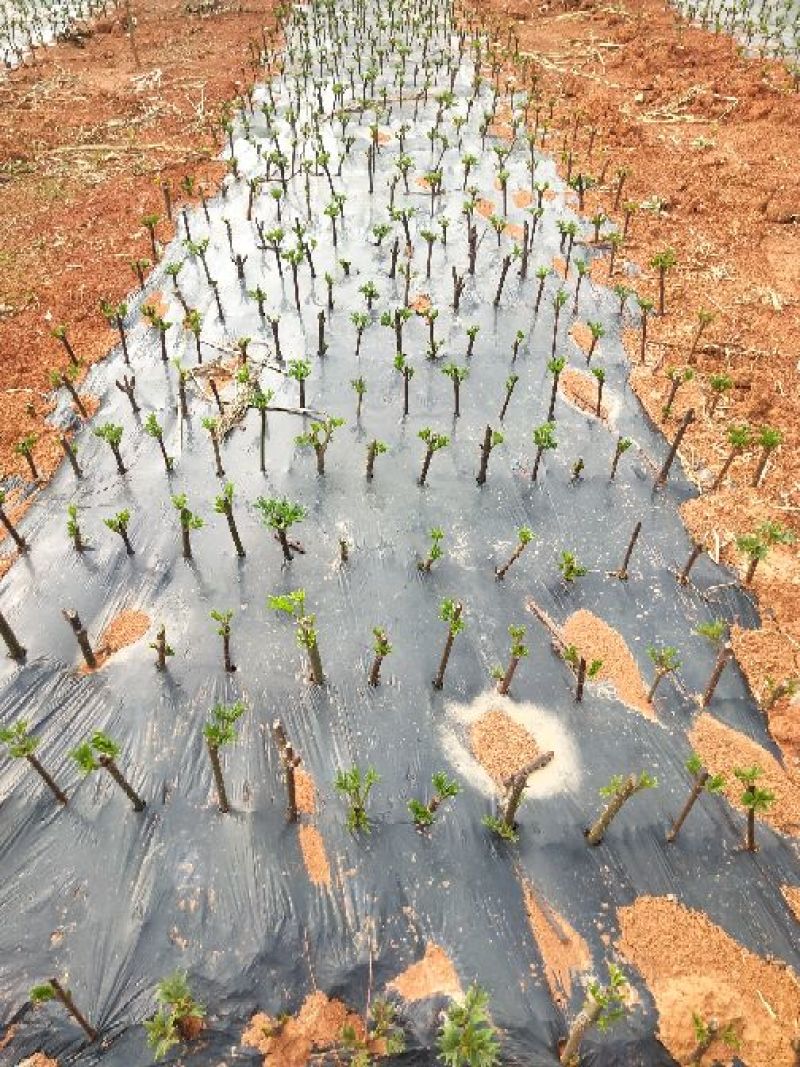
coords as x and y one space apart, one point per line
15 649
127 789
65 997
725 653
290 763
688 419
595 834
586 1019
694 555
486 449
622 573
47 778
517 783
699 785
69 452
17 538
81 637
219 781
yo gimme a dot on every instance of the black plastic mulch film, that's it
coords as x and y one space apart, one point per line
117 900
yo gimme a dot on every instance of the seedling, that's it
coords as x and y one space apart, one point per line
706 1034
702 781
716 632
597 331
505 826
374 448
261 400
450 612
622 573
433 443
112 435
22 744
193 324
355 786
757 545
150 222
518 651
754 799
224 631
511 381
524 537
60 334
604 1004
739 437
443 788
570 568
118 524
360 388
555 366
293 604
434 552
212 425
768 439
54 990
661 477
319 437
153 429
69 452
622 446
467 1037
401 364
382 649
223 505
491 439
677 377
280 514
24 448
180 1017
472 333
100 751
665 661
618 790
299 369
583 669
663 262
720 384
380 1031
188 520
361 320
645 307
220 730
59 378
457 375
161 326
544 437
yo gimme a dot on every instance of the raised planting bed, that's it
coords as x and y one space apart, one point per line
368 753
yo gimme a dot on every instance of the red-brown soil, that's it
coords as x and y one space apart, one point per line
501 745
565 953
595 639
317 1026
433 975
691 965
